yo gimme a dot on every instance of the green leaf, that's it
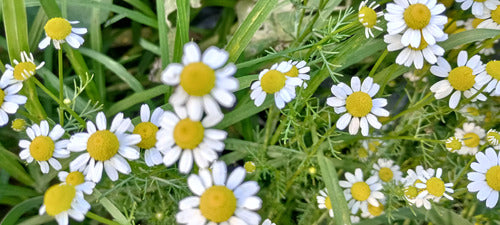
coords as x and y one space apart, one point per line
468 36
17 191
182 32
115 67
142 7
436 215
10 163
111 208
247 29
162 32
136 98
96 45
17 211
244 109
246 81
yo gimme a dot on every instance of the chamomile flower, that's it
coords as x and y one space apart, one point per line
417 20
220 199
462 79
202 80
44 146
453 144
479 7
147 128
472 137
268 222
411 192
18 125
77 179
23 69
386 171
182 139
274 81
63 200
434 186
104 148
471 112
301 70
492 19
410 55
368 17
358 105
488 49
249 166
324 201
359 193
492 75
60 30
485 179
373 211
9 99
493 137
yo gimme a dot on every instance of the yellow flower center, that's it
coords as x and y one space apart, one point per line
358 104
373 146
249 167
493 69
328 203
2 96
367 15
411 192
102 145
75 178
476 22
471 140
42 148
18 124
58 198
385 174
446 3
435 186
473 111
376 210
19 70
461 78
417 16
188 134
197 79
493 137
362 153
479 0
272 81
493 177
217 204
422 46
147 130
454 144
294 72
360 191
495 15
58 28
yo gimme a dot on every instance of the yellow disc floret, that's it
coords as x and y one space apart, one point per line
217 203
495 15
493 137
385 174
58 198
422 46
273 81
359 104
476 22
197 79
493 177
294 72
18 124
42 148
58 28
493 69
328 203
453 144
75 178
417 16
2 96
367 16
435 186
411 192
360 191
461 78
376 210
250 167
471 140
188 134
473 111
24 70
147 130
102 145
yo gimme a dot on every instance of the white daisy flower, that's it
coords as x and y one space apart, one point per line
471 112
324 201
184 140
203 82
268 222
492 19
417 20
462 79
373 211
60 30
485 180
453 144
359 193
23 69
77 179
492 75
472 137
9 99
104 148
434 186
410 55
301 70
368 17
411 192
274 81
386 171
358 105
493 137
220 199
479 7
44 146
63 200
488 49
147 129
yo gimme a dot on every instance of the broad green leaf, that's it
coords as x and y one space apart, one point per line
244 109
19 210
136 98
111 208
182 31
17 191
468 36
163 33
10 163
436 215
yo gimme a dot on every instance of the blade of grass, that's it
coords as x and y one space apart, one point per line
17 211
143 7
36 31
17 191
468 36
162 32
96 44
182 31
247 29
244 109
10 163
111 208
136 98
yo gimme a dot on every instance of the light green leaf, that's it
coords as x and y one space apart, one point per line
136 98
468 36
10 163
17 211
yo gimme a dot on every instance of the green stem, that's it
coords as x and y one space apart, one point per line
426 100
61 104
405 138
329 36
61 86
100 219
377 64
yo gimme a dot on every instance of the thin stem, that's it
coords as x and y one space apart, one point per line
377 64
61 86
405 138
100 219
